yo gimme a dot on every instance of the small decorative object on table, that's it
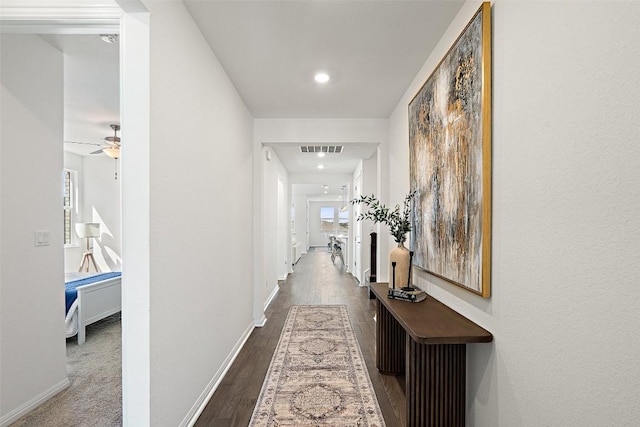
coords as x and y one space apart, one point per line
399 224
406 293
409 288
414 295
393 266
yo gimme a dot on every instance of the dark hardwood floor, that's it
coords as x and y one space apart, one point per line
315 280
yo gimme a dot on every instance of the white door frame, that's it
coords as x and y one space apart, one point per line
131 20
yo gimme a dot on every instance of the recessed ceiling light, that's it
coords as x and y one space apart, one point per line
321 154
320 166
321 77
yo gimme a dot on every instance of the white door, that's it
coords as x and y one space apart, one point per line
283 243
357 269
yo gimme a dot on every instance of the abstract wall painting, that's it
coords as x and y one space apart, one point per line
450 162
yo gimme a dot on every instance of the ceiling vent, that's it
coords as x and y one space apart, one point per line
337 149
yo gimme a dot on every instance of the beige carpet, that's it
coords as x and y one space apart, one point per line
94 398
317 375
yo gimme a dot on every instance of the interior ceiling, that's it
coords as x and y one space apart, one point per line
91 90
333 163
271 49
372 49
333 191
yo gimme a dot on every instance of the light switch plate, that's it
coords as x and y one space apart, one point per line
42 237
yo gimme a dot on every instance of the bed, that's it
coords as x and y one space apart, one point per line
90 297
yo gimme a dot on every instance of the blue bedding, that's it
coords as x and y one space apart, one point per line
70 292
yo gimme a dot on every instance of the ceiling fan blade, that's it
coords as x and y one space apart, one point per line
97 151
82 143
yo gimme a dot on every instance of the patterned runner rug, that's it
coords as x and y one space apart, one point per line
317 375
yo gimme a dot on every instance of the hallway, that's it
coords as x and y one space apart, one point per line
315 280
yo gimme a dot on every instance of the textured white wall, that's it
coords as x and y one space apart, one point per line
32 352
564 305
200 214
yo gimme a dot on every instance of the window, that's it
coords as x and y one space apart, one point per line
68 199
327 218
343 220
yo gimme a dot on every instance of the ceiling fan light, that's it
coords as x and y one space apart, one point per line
113 152
109 38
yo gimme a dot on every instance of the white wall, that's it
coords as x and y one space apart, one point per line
369 173
284 231
270 131
564 305
200 215
300 217
135 163
277 234
99 200
102 205
357 242
32 347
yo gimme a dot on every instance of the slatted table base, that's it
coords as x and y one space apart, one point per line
427 342
390 342
435 384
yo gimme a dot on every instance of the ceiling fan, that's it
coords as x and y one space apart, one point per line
113 148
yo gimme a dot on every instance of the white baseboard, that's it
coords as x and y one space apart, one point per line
271 297
197 408
260 322
32 404
263 320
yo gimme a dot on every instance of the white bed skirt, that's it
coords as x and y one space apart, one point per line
71 321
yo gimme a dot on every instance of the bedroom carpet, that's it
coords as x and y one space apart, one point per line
317 376
94 398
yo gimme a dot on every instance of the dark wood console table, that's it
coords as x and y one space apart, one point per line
427 342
